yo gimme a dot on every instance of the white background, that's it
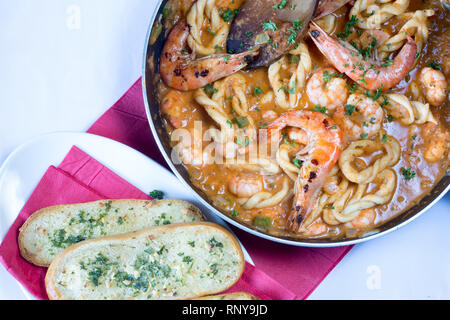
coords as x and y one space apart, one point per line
63 63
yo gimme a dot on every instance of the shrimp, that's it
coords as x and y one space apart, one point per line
437 142
245 186
323 151
435 85
367 73
190 150
270 115
297 135
172 106
365 218
326 88
360 118
180 70
315 229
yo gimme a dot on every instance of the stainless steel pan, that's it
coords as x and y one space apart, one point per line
149 80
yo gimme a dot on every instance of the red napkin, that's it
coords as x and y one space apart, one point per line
299 269
80 178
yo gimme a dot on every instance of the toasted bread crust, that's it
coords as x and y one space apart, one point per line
36 260
54 294
240 295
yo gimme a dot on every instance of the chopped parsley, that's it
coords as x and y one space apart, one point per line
374 97
209 89
166 12
365 53
348 28
297 24
188 259
262 222
407 173
257 91
353 87
297 162
328 76
214 269
270 25
244 142
214 243
434 65
292 36
228 14
321 109
349 109
211 32
385 102
157 194
281 5
289 141
242 121
387 62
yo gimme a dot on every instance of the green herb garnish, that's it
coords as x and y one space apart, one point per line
157 194
241 121
257 91
321 109
262 222
349 109
407 173
270 25
434 65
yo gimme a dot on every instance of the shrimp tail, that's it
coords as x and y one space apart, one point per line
180 69
369 74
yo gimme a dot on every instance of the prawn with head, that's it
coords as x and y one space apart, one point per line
181 70
322 151
367 73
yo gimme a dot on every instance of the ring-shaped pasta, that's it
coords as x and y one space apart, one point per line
367 175
388 183
287 90
372 13
412 112
266 199
207 10
415 27
234 86
284 161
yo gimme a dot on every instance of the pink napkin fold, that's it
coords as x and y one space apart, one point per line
80 178
299 269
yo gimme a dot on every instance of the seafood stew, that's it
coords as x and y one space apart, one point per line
353 118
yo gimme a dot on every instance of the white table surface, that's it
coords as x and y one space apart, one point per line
64 62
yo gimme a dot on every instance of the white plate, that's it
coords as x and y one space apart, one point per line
23 169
